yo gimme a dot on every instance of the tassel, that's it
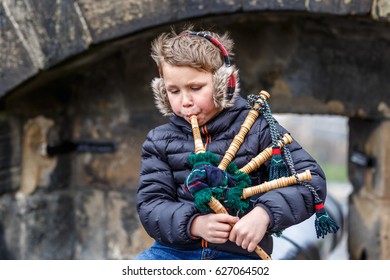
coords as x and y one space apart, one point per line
207 157
233 199
323 223
202 199
278 168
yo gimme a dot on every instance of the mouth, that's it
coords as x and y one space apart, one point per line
188 117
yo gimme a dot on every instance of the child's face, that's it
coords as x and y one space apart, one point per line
190 92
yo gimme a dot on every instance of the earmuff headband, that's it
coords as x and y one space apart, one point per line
232 80
224 52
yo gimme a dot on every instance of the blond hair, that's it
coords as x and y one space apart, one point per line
190 50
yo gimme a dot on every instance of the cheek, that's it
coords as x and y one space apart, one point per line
208 107
206 104
206 100
174 101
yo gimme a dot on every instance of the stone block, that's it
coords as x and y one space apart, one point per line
294 5
107 20
324 70
10 153
16 63
11 244
368 227
338 7
46 229
194 8
90 220
381 10
369 214
37 35
51 30
369 138
125 234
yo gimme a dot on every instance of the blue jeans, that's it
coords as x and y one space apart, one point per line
160 252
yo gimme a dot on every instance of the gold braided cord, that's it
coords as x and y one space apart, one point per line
245 127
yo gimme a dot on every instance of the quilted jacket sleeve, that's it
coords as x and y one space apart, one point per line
165 218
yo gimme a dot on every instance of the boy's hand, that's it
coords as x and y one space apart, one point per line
213 228
250 229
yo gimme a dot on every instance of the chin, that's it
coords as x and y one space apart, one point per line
202 121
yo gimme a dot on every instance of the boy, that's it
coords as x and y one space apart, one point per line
197 78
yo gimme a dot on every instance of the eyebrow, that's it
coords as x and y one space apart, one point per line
194 82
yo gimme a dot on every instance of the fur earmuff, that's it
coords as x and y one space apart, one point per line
221 80
161 97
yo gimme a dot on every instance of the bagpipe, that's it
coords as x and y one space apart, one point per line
221 187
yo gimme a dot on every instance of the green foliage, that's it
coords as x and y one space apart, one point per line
335 173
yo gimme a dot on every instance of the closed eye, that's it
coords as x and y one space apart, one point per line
173 91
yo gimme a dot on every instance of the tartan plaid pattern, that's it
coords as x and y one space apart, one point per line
205 175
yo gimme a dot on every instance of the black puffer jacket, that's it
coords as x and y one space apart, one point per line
166 209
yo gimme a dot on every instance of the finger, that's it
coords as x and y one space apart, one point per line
244 244
217 240
239 241
232 236
233 219
226 218
252 246
221 234
223 227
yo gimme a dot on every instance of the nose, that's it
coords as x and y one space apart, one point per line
187 100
